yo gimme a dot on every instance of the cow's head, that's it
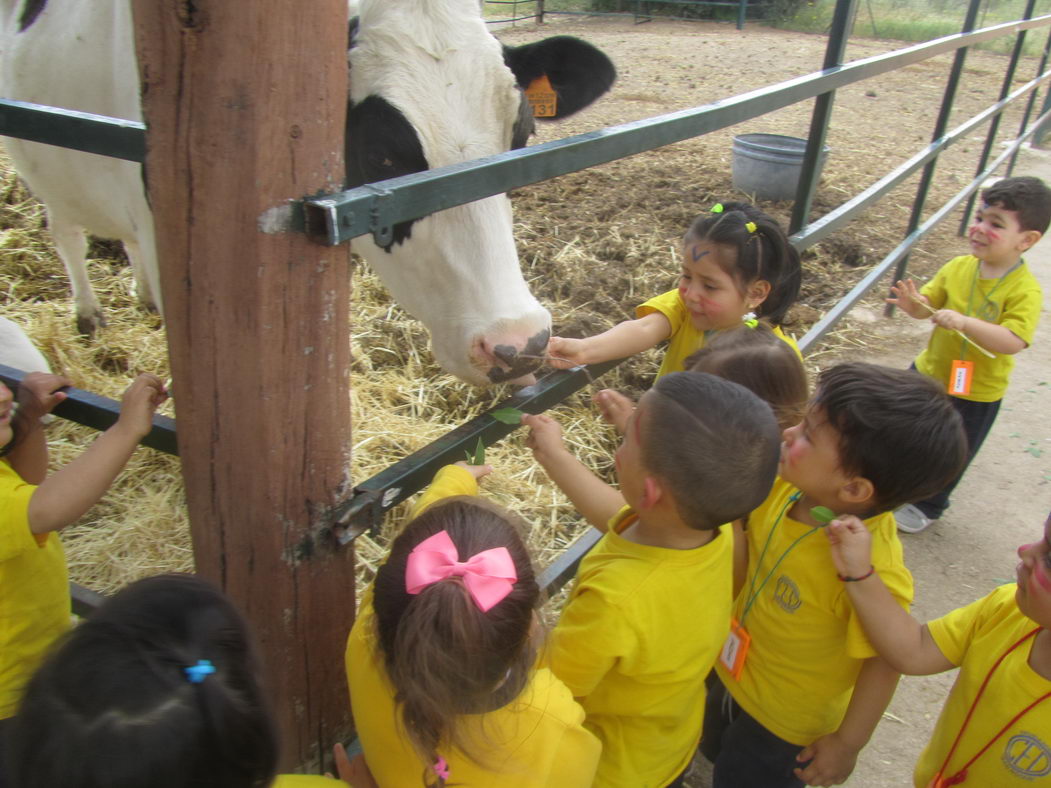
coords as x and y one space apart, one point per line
430 86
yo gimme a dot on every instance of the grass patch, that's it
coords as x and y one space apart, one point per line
917 20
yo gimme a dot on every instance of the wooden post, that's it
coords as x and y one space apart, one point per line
245 105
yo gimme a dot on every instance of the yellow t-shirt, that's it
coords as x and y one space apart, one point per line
636 639
304 781
1015 305
974 637
34 590
685 339
807 643
537 740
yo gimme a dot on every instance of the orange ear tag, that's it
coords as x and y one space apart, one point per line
960 377
542 97
735 649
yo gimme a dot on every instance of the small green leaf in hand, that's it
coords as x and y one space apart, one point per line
507 415
479 454
822 514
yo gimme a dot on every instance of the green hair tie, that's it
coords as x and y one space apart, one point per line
750 226
717 208
750 320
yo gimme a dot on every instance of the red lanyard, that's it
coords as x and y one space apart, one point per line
961 775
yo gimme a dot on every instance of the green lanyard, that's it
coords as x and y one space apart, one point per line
987 300
750 597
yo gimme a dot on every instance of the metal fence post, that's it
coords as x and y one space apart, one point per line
939 130
994 126
837 45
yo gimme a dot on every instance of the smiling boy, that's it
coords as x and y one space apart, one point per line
993 300
994 726
800 688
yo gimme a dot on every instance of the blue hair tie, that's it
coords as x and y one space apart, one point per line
196 673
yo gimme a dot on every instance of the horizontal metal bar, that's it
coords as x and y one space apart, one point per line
84 600
372 208
821 228
372 498
564 567
100 413
67 128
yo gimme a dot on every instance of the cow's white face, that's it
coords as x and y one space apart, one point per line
429 88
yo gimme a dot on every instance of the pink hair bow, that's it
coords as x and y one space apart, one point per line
488 576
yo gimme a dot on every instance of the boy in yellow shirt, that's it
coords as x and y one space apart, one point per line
985 307
645 620
994 727
800 688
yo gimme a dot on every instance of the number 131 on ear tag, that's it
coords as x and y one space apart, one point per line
735 649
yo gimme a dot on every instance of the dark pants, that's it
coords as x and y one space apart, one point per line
745 754
978 418
5 727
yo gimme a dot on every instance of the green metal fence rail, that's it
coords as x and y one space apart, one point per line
376 208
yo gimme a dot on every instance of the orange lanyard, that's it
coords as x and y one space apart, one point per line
961 775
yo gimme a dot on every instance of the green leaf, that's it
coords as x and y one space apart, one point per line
822 514
1035 451
479 454
507 415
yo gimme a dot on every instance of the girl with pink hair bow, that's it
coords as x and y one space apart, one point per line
442 659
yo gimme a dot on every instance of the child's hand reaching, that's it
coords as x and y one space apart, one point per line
39 393
851 545
545 436
908 299
615 408
477 471
565 353
140 401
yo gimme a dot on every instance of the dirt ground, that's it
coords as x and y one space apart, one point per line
667 66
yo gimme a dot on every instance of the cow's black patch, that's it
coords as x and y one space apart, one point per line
30 11
381 144
352 29
578 72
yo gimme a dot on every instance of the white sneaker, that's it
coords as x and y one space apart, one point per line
911 520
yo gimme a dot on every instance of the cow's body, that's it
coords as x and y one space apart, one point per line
80 56
429 87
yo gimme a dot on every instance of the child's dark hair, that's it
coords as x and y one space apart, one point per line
896 427
444 656
760 254
1027 196
714 444
762 362
113 705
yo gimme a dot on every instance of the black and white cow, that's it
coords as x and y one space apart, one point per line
430 86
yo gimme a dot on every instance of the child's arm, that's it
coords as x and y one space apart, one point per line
65 495
623 340
38 394
592 497
899 638
993 337
456 479
832 757
909 299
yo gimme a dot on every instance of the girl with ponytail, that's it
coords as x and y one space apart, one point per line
442 659
737 266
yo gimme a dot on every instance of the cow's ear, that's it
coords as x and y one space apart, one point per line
578 72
